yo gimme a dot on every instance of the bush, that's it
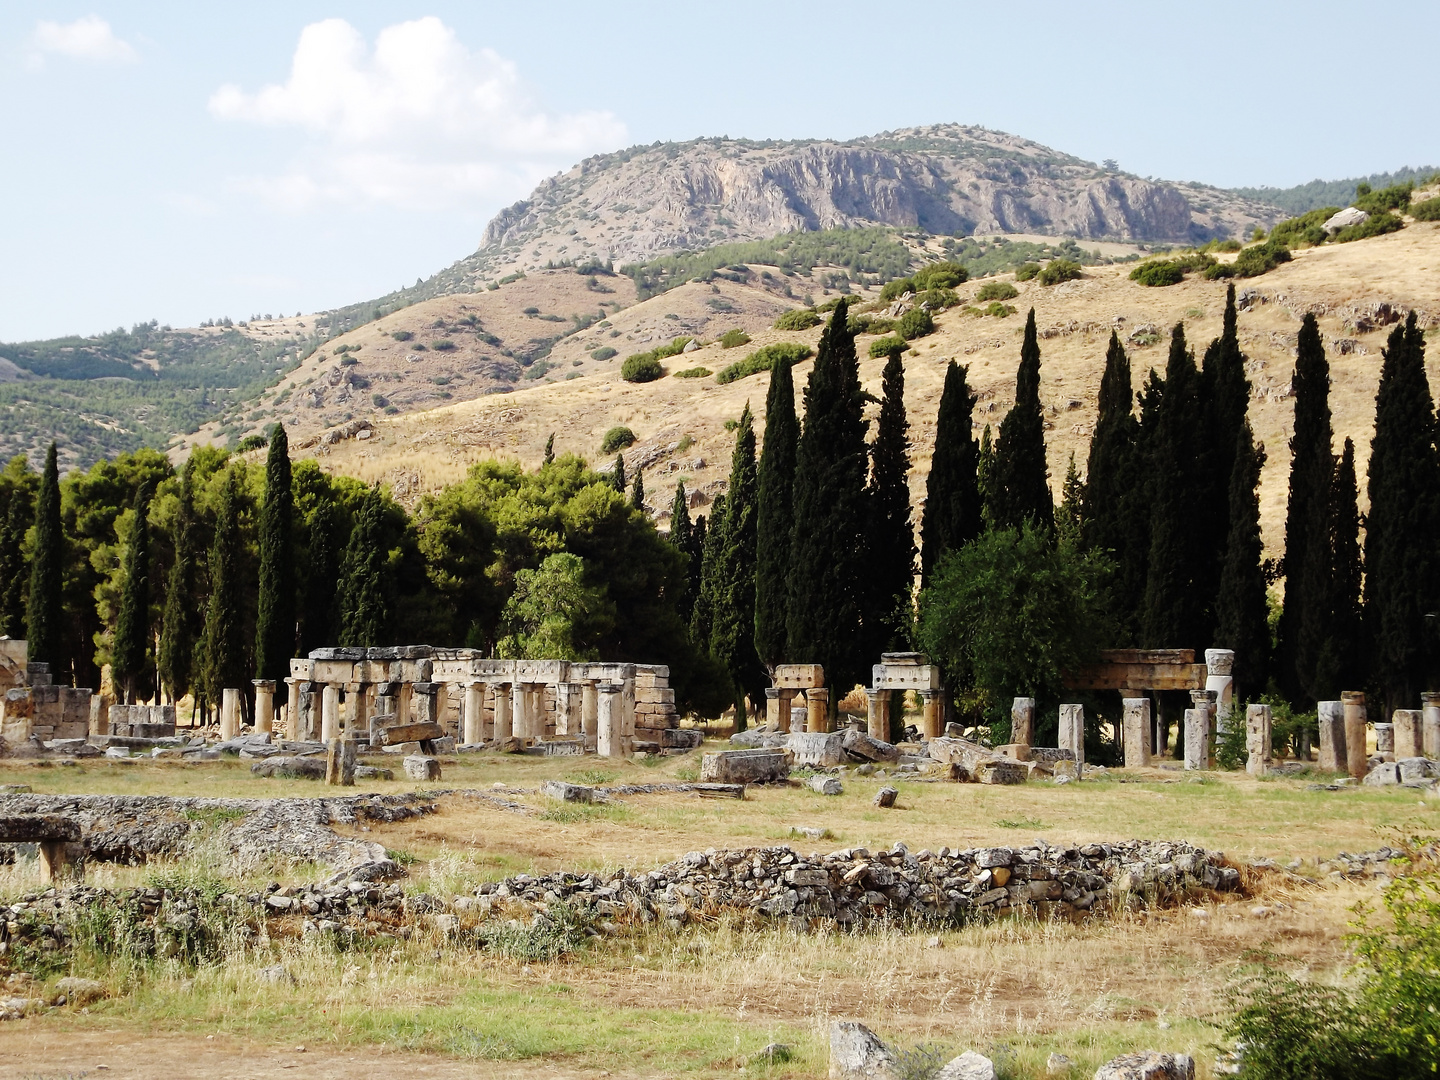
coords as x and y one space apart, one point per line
763 360
250 442
886 345
939 275
1374 225
915 323
1253 261
1058 270
1306 229
402 335
616 439
643 367
996 290
605 352
531 311
442 345
799 319
937 299
998 310
1159 273
693 373
1395 197
1429 210
870 324
1026 271
733 338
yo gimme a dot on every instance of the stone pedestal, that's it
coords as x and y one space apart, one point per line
609 732
1257 739
229 714
817 707
1430 725
798 713
1408 739
330 713
292 711
878 718
1197 738
1219 664
772 709
1357 757
1385 739
1022 721
565 693
340 762
1137 731
264 704
1332 737
1205 699
473 727
1072 733
933 714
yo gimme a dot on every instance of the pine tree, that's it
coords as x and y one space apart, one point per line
132 630
1022 489
177 631
224 644
1399 559
275 615
617 475
1338 666
953 511
550 449
44 613
709 587
637 491
320 624
732 630
775 517
364 612
1070 517
1306 618
891 540
828 563
681 531
14 568
1241 606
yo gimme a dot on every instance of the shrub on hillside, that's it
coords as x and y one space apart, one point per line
1159 273
1395 197
616 439
938 275
1058 270
734 338
1429 210
642 367
1308 228
605 352
1260 259
938 298
996 290
402 335
1374 225
442 345
998 310
763 360
799 319
870 324
1026 271
886 345
915 323
693 373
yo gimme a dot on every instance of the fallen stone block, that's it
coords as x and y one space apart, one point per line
306 768
370 772
576 793
403 733
968 1066
77 991
1385 774
757 738
1002 772
117 752
825 785
861 747
1148 1065
565 748
1416 770
885 797
819 749
681 738
745 766
719 791
418 767
856 1053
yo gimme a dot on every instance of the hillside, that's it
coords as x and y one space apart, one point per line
1347 284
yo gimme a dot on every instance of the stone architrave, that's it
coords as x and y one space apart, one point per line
1072 733
1137 731
1205 699
1357 758
878 714
1430 725
1219 680
473 728
1332 737
1022 721
817 705
609 734
1197 738
329 713
1408 737
229 714
504 729
1257 739
264 704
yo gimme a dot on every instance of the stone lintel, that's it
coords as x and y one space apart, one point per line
799 676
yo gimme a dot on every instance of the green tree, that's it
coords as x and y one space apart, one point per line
18 483
550 449
891 540
681 531
953 510
177 628
775 518
1022 489
985 479
275 614
553 614
637 491
1340 655
130 654
1241 606
1070 517
732 629
44 613
364 605
225 665
1399 549
617 476
326 539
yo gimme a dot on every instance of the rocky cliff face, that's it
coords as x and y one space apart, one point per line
649 201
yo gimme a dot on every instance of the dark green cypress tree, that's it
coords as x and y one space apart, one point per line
364 609
828 561
617 475
14 568
44 613
1399 536
132 629
1224 399
275 614
953 511
732 630
224 643
1339 665
696 551
550 449
709 587
637 491
1022 488
681 531
1070 517
320 624
985 480
891 539
1241 606
1306 619
775 517
177 630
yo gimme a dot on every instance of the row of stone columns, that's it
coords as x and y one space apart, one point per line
597 712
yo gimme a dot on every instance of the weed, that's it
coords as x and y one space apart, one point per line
1021 823
558 932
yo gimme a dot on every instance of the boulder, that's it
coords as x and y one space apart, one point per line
745 766
1385 774
820 749
418 767
77 991
1148 1065
825 785
968 1066
857 1054
1002 772
1344 219
861 747
309 768
370 772
885 797
576 793
1058 1065
1416 770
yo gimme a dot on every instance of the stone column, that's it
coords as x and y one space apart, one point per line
474 721
772 709
357 696
1409 737
878 714
403 692
932 706
1357 757
786 710
1137 731
229 714
1205 699
627 713
1072 733
1257 739
817 706
504 718
329 713
798 713
1219 663
590 709
292 711
519 710
264 704
340 762
308 720
608 722
1332 736
567 709
1430 724
1022 721
1197 738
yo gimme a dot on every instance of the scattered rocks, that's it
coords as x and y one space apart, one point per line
885 797
1148 1065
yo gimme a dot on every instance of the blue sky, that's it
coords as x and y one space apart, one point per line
181 161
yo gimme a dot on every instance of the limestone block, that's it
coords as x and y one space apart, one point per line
1409 740
745 766
1416 770
1014 751
1257 739
1137 732
885 797
1333 757
1148 1065
340 762
418 767
1197 738
857 1054
968 1066
680 738
1072 730
904 677
862 747
825 785
799 676
400 733
1002 772
576 793
1022 720
1430 724
815 748
1384 738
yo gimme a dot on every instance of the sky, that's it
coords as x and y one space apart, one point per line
183 161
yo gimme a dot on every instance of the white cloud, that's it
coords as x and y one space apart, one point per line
88 38
419 120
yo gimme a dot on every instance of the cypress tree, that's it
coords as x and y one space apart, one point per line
732 631
681 531
1115 508
224 659
617 475
132 630
14 570
953 512
1022 489
275 615
1242 609
320 626
637 491
891 539
550 449
363 610
828 563
985 480
775 518
1399 564
709 588
696 551
44 613
1224 399
1305 620
177 632
1338 666
1070 517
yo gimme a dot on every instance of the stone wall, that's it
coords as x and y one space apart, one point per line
142 721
